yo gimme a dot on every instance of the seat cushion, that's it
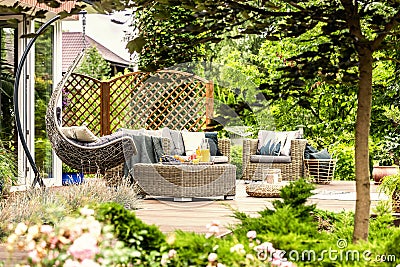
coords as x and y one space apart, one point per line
270 159
219 159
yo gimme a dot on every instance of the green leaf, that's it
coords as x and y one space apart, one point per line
136 44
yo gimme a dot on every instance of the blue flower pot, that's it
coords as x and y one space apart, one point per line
70 178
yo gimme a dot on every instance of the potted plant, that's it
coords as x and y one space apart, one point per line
390 185
385 157
71 176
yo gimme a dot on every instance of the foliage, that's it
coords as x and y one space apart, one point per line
389 146
344 152
236 159
160 28
8 170
81 241
295 195
390 184
7 121
110 235
51 205
147 239
94 65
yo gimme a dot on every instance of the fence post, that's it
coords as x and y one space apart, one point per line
105 127
209 104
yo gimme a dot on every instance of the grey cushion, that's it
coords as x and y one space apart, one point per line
323 154
177 146
270 159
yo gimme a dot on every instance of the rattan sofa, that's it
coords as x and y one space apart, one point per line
115 175
290 171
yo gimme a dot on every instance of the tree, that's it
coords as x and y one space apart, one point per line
94 65
350 33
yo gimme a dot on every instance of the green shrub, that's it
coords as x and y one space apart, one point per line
131 230
345 165
53 204
236 159
8 170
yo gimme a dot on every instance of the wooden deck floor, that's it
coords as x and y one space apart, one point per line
195 215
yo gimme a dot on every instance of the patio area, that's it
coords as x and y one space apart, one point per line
194 216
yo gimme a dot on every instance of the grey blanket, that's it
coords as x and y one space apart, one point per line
149 150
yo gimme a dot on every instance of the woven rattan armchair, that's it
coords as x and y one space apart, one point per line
290 171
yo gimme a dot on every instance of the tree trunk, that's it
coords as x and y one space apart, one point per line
363 201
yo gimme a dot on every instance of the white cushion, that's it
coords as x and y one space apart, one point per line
80 133
192 141
219 159
291 135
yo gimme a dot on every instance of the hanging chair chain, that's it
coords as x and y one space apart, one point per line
84 30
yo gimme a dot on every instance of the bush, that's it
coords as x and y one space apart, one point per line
236 159
345 165
51 205
147 239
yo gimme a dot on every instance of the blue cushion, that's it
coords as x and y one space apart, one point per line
270 149
323 154
212 138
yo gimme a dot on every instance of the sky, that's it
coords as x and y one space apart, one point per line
101 29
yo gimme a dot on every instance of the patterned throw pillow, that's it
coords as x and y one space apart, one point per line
270 142
270 148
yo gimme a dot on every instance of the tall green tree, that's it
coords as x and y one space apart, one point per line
351 32
94 65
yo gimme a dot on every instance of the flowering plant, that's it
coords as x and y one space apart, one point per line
266 254
75 242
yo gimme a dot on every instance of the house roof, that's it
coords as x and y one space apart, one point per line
72 45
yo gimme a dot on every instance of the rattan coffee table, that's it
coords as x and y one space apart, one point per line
184 182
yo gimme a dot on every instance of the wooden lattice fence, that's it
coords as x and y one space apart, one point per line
167 98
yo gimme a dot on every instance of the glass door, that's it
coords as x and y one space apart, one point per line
8 63
43 87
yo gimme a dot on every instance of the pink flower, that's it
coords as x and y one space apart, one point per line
87 212
251 234
276 262
46 229
34 256
287 264
84 247
172 253
265 247
71 263
212 257
89 263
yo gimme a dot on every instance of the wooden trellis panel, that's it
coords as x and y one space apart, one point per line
81 102
168 98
